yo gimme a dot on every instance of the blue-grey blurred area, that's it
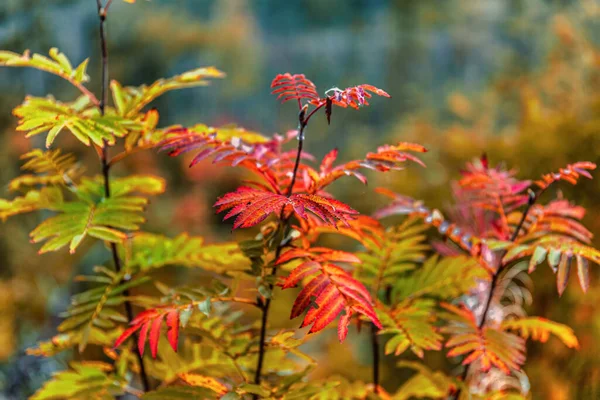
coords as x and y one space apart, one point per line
517 79
418 51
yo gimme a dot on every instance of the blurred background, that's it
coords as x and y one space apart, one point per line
518 80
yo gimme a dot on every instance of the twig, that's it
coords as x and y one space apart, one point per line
375 349
533 197
231 300
302 122
106 171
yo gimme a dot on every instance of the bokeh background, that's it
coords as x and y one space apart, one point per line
516 79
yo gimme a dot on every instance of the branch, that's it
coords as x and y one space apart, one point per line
284 225
375 350
106 170
533 197
242 300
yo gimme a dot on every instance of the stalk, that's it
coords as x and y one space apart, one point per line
284 226
102 11
501 267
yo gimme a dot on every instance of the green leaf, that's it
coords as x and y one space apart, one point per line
47 198
38 115
104 220
538 257
400 249
57 64
205 307
145 251
50 168
425 384
412 325
93 307
184 316
85 380
554 259
91 188
555 248
444 278
71 339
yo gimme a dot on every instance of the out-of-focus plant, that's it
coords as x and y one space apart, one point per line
414 292
499 223
534 121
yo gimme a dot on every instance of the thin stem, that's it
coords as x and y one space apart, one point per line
494 282
106 172
86 92
532 199
374 336
302 122
234 299
313 112
375 349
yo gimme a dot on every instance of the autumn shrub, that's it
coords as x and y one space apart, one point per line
413 279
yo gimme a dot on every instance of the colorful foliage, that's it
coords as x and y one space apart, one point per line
461 286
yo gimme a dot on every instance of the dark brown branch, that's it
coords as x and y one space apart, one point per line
375 350
106 171
285 226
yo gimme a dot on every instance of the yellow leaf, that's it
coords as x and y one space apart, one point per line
204 381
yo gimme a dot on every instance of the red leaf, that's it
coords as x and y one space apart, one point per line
292 254
368 311
334 290
252 206
128 332
312 289
355 96
143 336
155 334
294 87
300 272
173 326
148 322
571 173
328 161
343 324
330 304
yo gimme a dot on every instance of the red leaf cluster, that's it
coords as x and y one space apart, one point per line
385 159
148 324
492 189
252 206
355 96
486 345
298 87
330 292
558 216
265 159
571 173
293 87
